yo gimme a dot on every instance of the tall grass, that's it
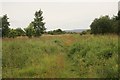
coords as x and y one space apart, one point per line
61 56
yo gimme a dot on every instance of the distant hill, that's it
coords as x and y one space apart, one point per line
76 30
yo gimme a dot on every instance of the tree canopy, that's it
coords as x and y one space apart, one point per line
105 24
101 25
38 23
5 26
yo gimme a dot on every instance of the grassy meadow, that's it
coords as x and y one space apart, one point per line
60 56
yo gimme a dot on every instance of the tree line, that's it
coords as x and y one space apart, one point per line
36 28
105 24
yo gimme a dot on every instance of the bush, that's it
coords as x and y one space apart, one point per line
56 32
20 32
30 31
83 33
12 33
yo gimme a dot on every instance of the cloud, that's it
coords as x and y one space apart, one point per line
64 15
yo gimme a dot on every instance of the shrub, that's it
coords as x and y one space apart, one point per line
56 32
30 31
83 33
20 32
12 33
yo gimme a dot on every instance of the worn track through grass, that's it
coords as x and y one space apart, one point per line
61 56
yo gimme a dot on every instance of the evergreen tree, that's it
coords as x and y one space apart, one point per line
38 23
118 16
5 24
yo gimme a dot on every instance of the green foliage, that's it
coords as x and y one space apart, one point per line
88 31
37 27
101 26
5 26
30 31
85 32
20 32
56 32
104 25
12 33
117 23
115 26
101 61
90 56
118 16
38 23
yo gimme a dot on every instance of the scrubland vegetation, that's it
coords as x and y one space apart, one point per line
35 53
61 56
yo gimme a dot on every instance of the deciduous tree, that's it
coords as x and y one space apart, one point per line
30 31
101 25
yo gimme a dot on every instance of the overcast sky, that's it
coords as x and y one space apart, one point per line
63 15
